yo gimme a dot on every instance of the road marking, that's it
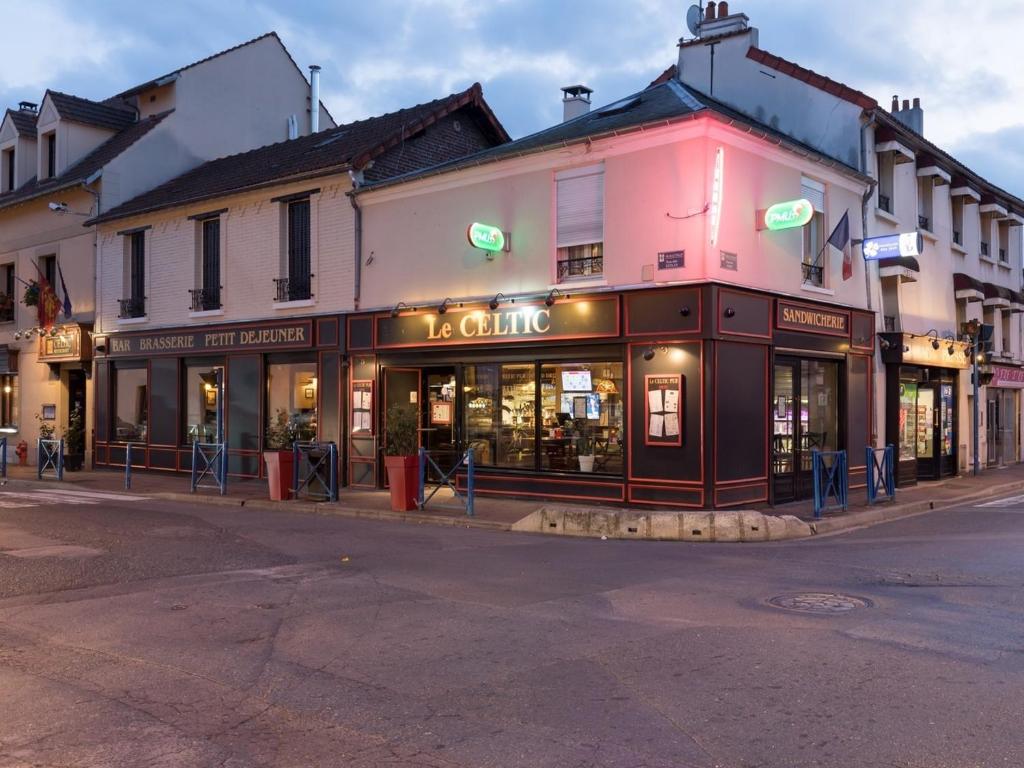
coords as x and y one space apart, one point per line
1011 501
93 495
57 497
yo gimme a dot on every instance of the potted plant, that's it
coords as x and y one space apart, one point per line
74 440
31 297
584 445
46 429
400 445
278 455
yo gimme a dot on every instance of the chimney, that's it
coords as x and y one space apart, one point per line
314 98
575 101
28 106
895 104
910 116
722 22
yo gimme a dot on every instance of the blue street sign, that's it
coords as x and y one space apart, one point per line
892 246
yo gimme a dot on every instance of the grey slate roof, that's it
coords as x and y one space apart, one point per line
24 122
329 151
85 167
79 110
660 104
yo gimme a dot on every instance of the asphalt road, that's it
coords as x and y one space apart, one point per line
143 633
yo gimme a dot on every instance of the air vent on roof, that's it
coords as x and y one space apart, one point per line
618 107
331 139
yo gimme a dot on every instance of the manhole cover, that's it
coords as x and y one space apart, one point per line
819 602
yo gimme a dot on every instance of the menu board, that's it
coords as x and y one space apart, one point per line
576 381
362 407
440 412
663 415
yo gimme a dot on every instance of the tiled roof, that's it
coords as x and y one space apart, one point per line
336 149
85 167
669 74
79 110
658 105
810 77
24 122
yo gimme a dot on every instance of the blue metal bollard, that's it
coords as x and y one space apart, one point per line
469 482
422 475
128 467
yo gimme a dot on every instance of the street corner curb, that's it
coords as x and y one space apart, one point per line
220 501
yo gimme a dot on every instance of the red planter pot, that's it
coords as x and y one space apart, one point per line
280 467
403 480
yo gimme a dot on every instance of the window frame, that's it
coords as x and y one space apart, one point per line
886 170
51 154
579 192
814 190
9 170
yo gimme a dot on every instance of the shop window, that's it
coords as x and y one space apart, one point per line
8 402
579 204
291 404
581 416
908 420
815 256
886 162
201 402
131 412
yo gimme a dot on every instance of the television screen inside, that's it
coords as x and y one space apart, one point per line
576 381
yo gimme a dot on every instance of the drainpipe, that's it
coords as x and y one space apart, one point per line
357 179
86 185
864 201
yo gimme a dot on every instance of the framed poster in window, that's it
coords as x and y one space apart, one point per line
362 407
663 414
440 412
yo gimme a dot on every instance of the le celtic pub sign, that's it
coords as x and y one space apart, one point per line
293 335
565 319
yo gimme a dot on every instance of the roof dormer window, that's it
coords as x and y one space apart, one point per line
51 154
7 169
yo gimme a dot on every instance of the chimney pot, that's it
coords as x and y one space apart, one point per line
895 103
575 101
709 15
917 102
906 103
723 9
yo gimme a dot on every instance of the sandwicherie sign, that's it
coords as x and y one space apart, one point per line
293 335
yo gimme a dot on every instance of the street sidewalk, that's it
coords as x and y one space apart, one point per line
502 513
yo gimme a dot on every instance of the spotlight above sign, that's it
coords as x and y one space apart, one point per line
892 246
488 238
787 215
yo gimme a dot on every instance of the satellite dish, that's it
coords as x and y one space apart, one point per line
694 16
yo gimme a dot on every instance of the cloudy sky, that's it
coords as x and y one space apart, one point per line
960 56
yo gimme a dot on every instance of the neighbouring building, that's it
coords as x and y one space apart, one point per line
230 281
67 159
966 263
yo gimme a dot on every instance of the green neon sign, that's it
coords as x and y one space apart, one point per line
794 213
486 237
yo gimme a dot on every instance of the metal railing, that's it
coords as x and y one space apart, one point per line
924 222
447 480
984 248
582 267
831 481
50 456
3 459
209 460
293 288
957 237
315 470
885 203
814 274
134 307
1002 255
128 466
881 476
205 299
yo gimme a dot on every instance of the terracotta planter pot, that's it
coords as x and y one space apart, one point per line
403 480
280 467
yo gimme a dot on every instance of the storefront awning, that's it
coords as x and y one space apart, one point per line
967 288
905 268
926 349
996 295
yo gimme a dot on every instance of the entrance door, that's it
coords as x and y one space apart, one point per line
439 416
928 432
806 410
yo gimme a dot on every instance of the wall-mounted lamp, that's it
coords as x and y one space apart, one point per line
444 306
685 311
934 334
398 308
17 335
885 344
550 300
493 303
652 350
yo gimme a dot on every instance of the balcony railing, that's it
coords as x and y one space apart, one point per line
205 299
957 237
587 266
924 222
134 307
885 203
293 288
984 248
814 274
1002 255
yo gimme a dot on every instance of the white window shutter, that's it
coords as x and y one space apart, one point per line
814 191
580 206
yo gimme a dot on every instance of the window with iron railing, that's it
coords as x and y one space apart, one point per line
957 237
885 203
984 248
889 323
886 166
924 222
206 298
580 261
579 235
135 304
7 299
1003 256
297 285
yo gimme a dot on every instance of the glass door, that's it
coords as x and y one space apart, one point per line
927 431
440 406
785 431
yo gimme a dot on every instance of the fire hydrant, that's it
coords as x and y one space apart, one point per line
22 450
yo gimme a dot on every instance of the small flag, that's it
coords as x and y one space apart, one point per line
49 304
840 240
64 290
